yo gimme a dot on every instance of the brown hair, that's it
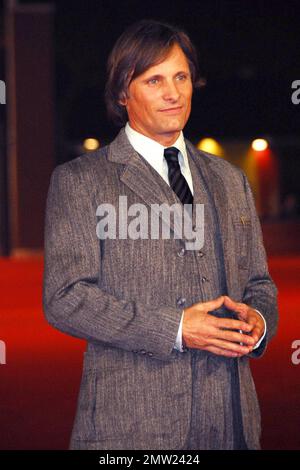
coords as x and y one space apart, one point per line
141 46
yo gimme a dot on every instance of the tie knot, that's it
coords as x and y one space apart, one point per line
171 155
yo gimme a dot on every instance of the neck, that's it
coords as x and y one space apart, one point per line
166 140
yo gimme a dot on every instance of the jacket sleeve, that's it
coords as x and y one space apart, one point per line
260 292
72 299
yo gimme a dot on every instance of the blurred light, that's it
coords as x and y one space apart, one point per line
259 145
91 144
211 146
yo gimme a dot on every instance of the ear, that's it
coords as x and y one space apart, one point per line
123 99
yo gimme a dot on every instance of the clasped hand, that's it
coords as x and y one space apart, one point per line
221 336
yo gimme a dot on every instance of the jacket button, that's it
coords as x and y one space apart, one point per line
200 254
150 354
204 279
181 301
142 351
181 252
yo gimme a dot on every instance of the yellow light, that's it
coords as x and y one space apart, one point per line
259 145
91 144
211 146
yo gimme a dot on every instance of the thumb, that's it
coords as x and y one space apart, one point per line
212 304
240 309
229 303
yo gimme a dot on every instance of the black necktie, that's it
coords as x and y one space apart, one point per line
177 180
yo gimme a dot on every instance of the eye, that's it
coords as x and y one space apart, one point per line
182 77
152 81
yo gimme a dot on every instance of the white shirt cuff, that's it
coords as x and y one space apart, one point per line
260 340
178 343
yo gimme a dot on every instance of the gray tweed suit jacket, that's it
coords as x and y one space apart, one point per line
124 297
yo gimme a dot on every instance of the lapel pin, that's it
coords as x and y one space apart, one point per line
243 220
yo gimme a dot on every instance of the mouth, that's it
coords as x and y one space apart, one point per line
175 110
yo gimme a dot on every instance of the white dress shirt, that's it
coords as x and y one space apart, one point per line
153 152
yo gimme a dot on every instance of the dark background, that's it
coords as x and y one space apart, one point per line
248 53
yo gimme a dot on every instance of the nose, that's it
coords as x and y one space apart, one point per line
170 91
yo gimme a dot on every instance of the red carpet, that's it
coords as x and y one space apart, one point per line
40 381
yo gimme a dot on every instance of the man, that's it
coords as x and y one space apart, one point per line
170 330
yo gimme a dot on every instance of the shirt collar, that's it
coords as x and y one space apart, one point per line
152 151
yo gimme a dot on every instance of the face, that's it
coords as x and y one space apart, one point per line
159 102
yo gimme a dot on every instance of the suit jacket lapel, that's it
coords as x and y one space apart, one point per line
142 179
215 185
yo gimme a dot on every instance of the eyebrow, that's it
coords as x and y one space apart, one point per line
151 77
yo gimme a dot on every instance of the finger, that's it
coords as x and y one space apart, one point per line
241 309
255 318
237 337
222 352
230 302
212 304
233 324
232 305
256 334
230 346
243 314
